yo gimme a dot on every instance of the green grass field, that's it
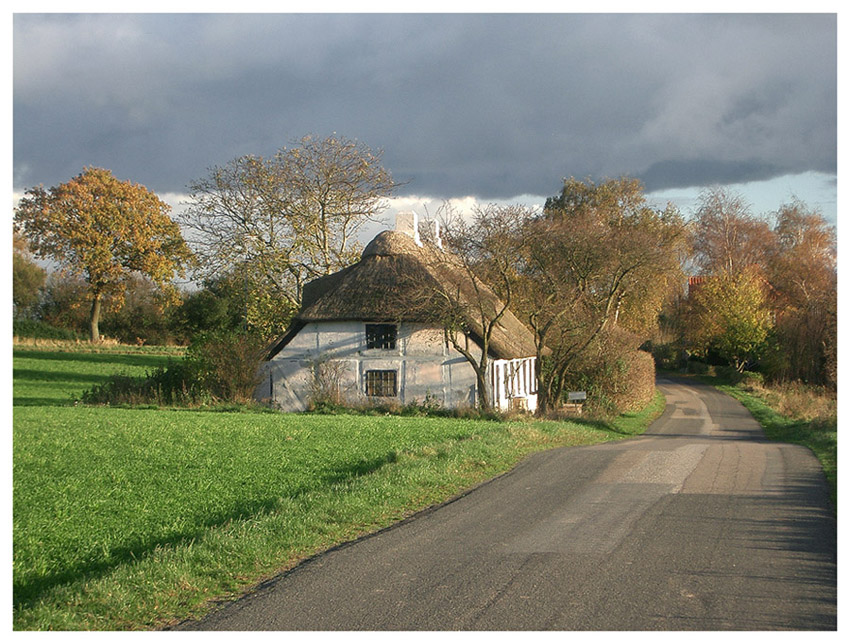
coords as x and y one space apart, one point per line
133 518
56 377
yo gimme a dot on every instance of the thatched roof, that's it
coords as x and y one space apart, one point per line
398 281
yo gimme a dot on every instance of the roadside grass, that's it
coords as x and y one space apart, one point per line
128 519
818 434
634 423
812 424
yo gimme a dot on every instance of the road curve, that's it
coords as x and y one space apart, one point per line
700 524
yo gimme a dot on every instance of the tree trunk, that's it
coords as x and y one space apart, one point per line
544 404
484 402
542 398
95 318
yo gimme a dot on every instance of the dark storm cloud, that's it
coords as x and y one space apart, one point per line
672 174
486 105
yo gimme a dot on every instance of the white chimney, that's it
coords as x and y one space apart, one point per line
434 225
408 223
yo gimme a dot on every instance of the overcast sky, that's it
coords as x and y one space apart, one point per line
486 106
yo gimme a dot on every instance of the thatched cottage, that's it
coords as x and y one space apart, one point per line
368 333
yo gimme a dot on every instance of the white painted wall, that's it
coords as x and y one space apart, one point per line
426 366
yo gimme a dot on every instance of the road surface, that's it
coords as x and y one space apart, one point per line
700 524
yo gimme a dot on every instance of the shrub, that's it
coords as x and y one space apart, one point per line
638 387
698 368
202 312
804 402
141 316
227 364
219 367
430 406
668 355
174 385
732 375
42 331
752 380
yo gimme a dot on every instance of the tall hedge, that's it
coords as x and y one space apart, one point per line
616 381
637 387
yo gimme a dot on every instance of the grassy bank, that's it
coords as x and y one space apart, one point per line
813 423
132 518
790 413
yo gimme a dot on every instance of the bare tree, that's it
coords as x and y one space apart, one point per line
486 252
727 238
290 218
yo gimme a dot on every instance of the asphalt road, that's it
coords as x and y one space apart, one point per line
700 524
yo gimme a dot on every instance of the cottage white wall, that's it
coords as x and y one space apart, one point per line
426 366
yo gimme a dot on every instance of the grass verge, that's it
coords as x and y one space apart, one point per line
105 346
818 433
634 423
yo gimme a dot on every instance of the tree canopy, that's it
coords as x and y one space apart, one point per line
802 269
731 315
599 258
590 273
103 229
28 278
767 291
597 261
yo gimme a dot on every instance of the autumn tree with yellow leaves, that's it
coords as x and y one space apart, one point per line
103 230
